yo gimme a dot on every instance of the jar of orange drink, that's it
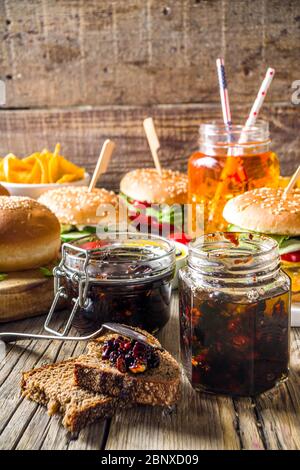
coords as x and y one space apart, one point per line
228 164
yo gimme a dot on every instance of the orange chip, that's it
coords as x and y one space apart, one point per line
31 159
15 170
35 175
70 168
42 159
68 178
54 169
40 167
57 149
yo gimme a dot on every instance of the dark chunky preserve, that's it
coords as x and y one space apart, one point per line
234 314
239 349
129 280
129 355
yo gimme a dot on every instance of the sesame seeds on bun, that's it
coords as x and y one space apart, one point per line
74 205
265 210
146 185
29 234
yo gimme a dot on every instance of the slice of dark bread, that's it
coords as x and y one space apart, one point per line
53 386
157 386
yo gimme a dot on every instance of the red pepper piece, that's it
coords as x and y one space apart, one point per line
181 237
240 341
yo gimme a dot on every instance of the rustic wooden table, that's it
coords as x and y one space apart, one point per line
201 422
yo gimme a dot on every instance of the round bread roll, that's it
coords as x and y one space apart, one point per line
74 205
146 185
29 234
3 191
265 210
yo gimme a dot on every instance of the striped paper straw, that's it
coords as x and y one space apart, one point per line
224 94
231 162
259 100
260 97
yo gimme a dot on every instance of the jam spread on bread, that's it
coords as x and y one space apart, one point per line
129 355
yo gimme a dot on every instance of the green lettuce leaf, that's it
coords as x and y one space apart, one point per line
289 245
77 228
86 228
3 276
46 272
73 232
75 235
64 228
166 215
286 244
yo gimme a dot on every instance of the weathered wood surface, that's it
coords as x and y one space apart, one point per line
83 131
200 422
95 52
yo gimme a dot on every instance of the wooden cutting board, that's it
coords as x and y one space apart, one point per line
25 294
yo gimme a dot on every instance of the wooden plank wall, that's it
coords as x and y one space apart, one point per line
79 71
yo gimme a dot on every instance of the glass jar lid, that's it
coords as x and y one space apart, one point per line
120 256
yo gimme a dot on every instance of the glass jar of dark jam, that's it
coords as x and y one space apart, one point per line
124 278
234 314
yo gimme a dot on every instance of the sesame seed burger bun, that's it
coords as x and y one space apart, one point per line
29 234
265 210
146 185
74 205
3 191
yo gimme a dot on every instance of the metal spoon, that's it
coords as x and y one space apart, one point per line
127 331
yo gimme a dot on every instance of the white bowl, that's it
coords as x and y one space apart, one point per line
36 190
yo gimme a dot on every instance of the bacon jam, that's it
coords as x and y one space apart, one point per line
236 349
234 315
129 355
129 281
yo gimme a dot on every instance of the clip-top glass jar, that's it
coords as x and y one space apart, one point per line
124 278
227 165
234 314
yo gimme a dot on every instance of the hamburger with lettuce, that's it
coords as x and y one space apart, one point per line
81 211
156 202
269 212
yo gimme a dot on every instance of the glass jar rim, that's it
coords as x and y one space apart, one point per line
235 255
153 250
217 126
218 134
232 239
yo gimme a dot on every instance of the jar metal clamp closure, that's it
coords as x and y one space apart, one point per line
92 271
82 269
82 279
